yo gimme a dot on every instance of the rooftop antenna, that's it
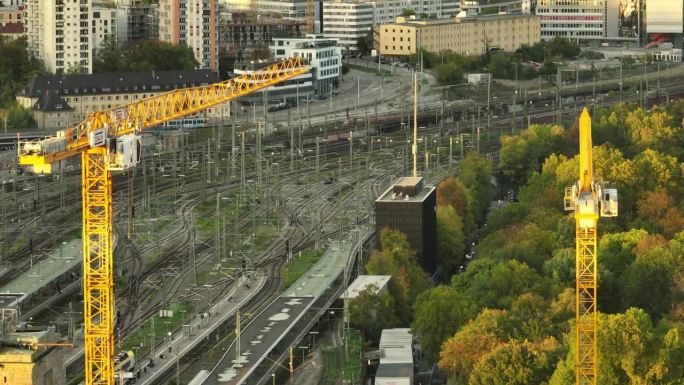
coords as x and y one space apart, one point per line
414 148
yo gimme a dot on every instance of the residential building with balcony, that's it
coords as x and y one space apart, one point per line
193 23
59 34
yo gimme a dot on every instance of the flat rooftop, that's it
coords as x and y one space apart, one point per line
364 281
319 278
404 183
47 270
397 345
11 300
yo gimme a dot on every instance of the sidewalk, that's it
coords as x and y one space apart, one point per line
180 344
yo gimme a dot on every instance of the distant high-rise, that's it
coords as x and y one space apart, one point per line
136 21
59 34
193 23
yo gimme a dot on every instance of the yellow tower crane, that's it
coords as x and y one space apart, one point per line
589 200
108 141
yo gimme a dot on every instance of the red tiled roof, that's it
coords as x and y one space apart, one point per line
12 28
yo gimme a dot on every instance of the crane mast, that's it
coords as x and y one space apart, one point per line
589 200
107 141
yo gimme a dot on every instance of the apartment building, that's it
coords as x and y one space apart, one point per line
103 25
193 23
58 101
11 14
59 34
136 21
465 36
347 21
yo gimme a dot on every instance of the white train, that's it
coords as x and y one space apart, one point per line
124 366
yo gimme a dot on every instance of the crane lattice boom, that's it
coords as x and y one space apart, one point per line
107 142
589 200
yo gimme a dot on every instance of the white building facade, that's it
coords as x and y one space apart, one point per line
347 22
103 26
323 55
193 23
585 21
59 34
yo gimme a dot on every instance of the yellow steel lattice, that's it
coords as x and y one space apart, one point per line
586 318
98 293
97 188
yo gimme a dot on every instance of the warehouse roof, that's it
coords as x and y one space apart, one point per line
364 281
116 82
397 345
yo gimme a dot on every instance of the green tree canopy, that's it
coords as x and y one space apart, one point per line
476 175
517 363
439 312
146 56
396 258
450 240
371 312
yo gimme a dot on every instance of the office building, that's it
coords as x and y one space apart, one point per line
590 22
193 23
410 207
59 34
465 36
136 21
323 56
58 101
347 21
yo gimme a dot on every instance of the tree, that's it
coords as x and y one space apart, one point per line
526 243
16 67
19 118
450 240
657 209
632 351
648 283
652 130
517 363
476 175
439 313
523 154
365 43
461 352
449 73
371 312
408 12
492 284
396 258
146 56
501 66
562 48
452 192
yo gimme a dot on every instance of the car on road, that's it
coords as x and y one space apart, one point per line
279 107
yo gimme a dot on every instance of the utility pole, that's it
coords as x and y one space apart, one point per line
317 153
242 163
620 80
414 148
217 221
451 153
258 153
